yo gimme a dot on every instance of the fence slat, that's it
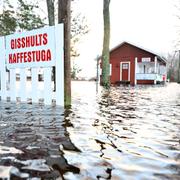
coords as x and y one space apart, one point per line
59 65
47 86
23 85
3 83
13 84
34 89
2 70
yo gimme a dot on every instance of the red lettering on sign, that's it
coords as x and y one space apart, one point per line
32 41
25 56
23 42
38 58
30 56
48 55
18 43
10 58
43 55
40 39
29 41
14 58
12 43
45 38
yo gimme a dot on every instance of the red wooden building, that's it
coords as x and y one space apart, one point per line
133 65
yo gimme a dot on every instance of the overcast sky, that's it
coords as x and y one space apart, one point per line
147 22
151 24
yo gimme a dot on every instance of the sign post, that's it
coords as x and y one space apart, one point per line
59 64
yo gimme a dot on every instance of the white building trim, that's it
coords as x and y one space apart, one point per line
155 67
110 69
129 69
136 70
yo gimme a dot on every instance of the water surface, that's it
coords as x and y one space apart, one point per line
124 133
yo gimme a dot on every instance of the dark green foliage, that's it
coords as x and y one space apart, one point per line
7 23
24 18
27 18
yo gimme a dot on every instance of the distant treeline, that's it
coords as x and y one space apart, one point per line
173 68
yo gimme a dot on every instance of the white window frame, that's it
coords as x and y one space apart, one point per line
129 70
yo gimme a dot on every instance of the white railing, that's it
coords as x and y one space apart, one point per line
141 76
33 88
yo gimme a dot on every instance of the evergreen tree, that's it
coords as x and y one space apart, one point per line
26 16
8 23
20 19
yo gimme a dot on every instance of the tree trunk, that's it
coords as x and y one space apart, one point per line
51 20
179 68
51 12
64 16
106 39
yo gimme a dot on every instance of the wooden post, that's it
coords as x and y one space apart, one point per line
179 68
155 68
136 70
97 73
64 16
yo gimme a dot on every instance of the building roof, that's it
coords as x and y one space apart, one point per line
161 58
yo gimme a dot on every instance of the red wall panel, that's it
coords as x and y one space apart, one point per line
123 53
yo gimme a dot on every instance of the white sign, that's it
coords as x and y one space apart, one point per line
40 48
146 59
34 48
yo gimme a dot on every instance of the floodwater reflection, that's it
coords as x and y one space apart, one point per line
124 133
31 141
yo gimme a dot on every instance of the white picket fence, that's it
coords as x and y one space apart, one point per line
23 84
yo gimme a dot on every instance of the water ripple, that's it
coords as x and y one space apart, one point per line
124 133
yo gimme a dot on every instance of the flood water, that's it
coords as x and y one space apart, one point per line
128 133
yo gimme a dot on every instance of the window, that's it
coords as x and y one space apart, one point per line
125 66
